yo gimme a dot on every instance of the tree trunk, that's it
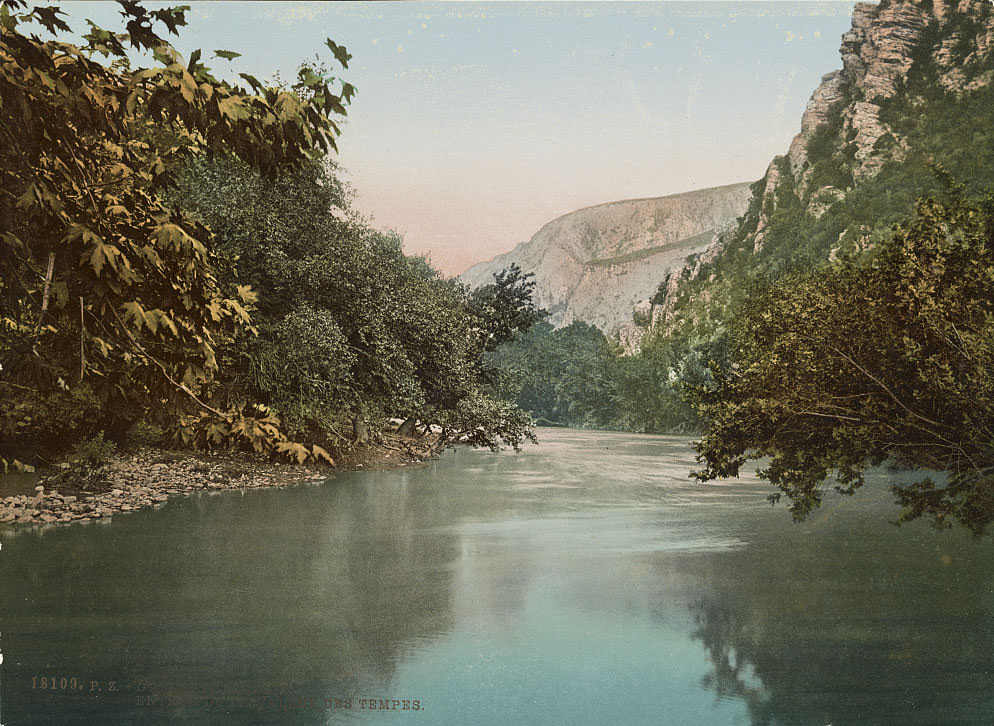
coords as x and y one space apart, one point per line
360 431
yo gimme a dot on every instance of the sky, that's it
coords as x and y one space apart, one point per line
474 124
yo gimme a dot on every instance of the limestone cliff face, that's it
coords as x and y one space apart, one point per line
846 139
877 54
596 263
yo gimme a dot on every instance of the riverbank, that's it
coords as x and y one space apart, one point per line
148 477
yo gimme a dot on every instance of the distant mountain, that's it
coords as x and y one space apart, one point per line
596 263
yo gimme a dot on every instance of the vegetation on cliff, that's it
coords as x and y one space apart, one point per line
850 322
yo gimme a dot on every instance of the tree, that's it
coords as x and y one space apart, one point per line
505 306
566 376
846 367
110 306
351 330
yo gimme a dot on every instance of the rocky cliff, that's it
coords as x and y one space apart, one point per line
911 108
596 263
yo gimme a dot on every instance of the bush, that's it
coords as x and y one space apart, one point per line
144 433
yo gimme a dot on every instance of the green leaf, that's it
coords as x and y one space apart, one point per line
252 81
287 106
172 17
321 454
164 54
187 86
8 21
101 253
242 313
131 103
246 293
134 312
227 54
47 16
341 55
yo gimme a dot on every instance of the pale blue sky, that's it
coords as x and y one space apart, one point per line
476 123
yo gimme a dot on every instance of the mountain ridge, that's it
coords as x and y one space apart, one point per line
594 263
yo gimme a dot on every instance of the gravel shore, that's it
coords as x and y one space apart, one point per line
149 477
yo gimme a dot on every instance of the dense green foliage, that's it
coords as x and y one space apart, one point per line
562 377
504 307
845 367
574 376
118 305
350 330
110 308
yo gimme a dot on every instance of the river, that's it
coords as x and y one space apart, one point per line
584 581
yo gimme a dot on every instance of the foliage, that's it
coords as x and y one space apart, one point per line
351 330
845 367
82 467
574 376
505 307
929 127
108 295
562 377
483 421
256 424
144 433
814 260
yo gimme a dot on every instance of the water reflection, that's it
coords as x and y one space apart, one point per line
896 630
240 605
586 581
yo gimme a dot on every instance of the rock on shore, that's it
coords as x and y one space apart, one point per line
149 477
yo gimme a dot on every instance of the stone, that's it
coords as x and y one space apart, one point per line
773 177
827 94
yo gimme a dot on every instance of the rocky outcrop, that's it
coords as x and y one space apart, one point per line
844 139
659 311
829 93
596 263
898 59
877 54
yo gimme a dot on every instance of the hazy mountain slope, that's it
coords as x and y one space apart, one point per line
594 264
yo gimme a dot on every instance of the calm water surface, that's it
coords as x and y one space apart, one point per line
583 581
